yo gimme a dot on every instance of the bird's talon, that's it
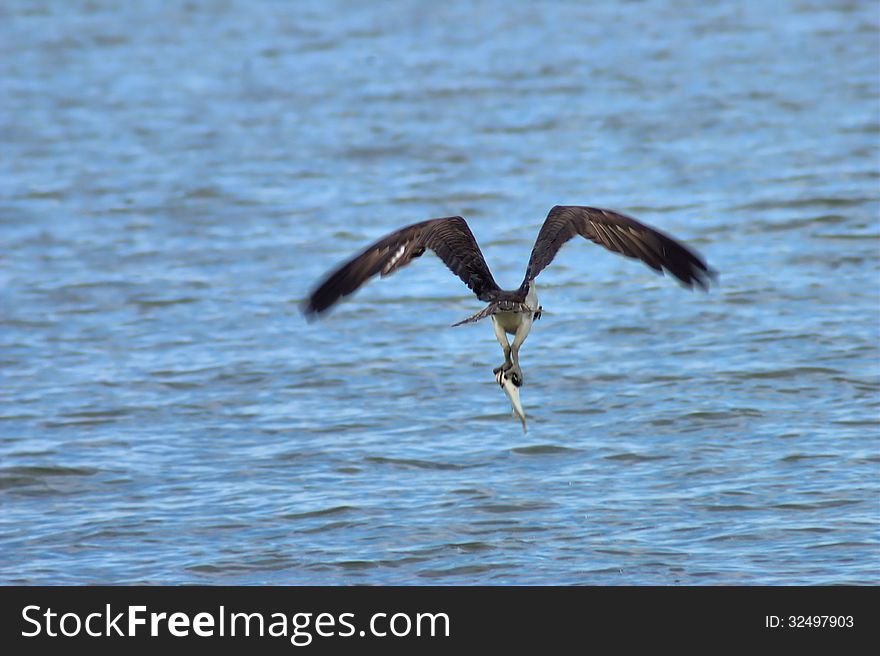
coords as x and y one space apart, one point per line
502 368
516 376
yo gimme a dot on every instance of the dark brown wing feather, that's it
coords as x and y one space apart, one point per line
620 234
450 238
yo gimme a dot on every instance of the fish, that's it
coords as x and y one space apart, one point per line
504 381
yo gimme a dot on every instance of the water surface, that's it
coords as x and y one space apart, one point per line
175 176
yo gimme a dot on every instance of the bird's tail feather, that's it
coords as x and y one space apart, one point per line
489 310
504 305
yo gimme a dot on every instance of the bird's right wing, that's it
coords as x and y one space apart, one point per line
450 238
621 234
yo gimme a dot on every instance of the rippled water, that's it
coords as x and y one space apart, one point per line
175 176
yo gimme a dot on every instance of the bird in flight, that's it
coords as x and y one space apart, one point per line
512 311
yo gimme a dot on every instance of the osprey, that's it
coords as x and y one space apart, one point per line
512 311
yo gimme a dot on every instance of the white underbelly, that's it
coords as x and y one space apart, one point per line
510 321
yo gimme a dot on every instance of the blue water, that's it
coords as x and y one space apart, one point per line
175 176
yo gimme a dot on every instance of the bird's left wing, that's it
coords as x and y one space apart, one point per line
450 238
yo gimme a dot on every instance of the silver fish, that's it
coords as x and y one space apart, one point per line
504 381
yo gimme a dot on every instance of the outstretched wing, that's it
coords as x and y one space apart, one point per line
620 234
450 238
